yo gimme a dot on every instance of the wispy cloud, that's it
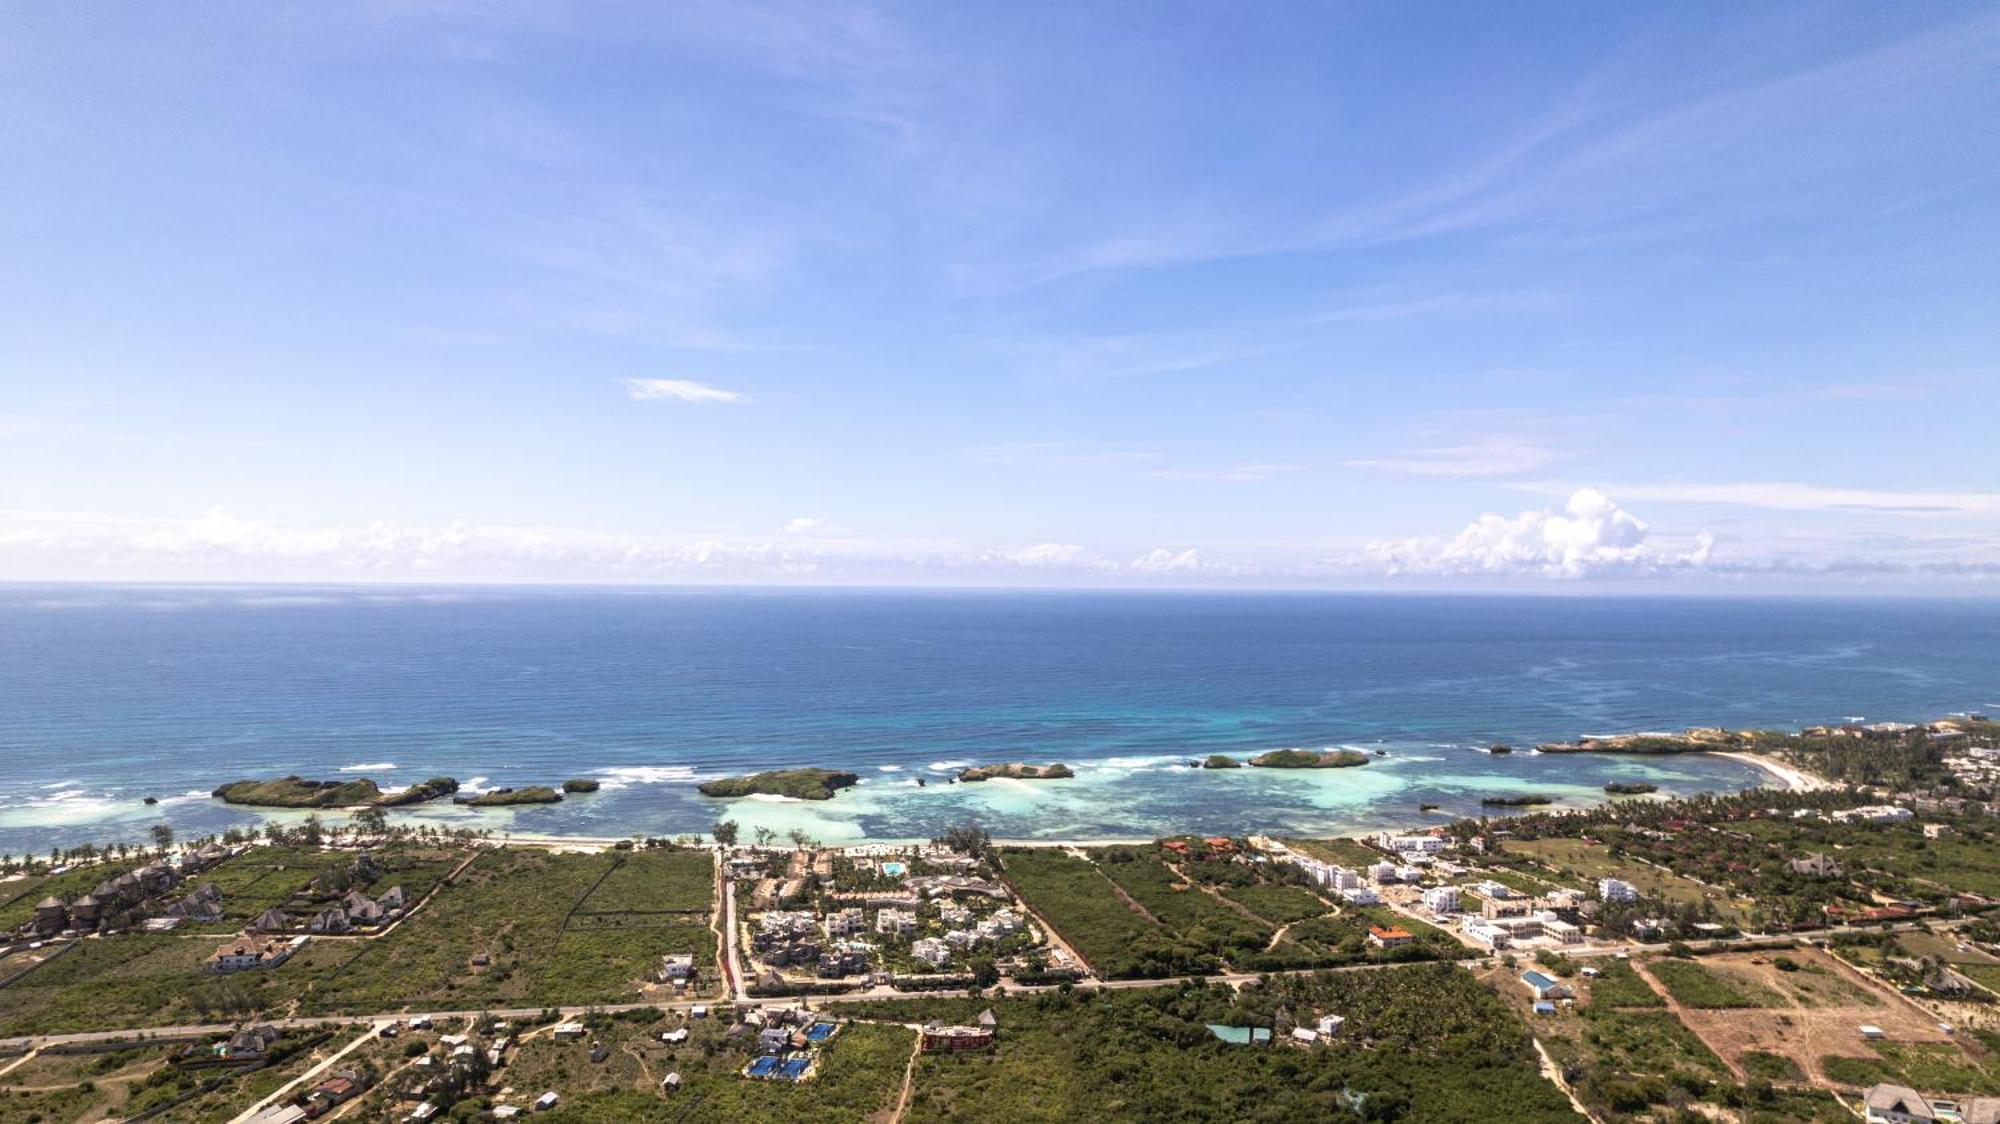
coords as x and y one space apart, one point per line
1238 474
1495 457
681 390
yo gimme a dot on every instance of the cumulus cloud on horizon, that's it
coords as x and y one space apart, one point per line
1591 535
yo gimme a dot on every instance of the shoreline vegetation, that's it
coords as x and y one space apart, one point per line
799 784
1630 788
1018 771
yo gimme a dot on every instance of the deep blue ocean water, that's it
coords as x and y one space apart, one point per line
108 695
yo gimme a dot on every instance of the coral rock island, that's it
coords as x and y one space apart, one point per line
799 784
1309 759
1016 771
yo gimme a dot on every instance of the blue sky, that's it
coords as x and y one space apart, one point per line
1383 296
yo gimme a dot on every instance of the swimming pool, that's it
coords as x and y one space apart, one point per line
894 869
762 1067
793 1069
820 1032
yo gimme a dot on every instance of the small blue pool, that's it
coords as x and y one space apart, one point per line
820 1032
794 1068
763 1067
894 870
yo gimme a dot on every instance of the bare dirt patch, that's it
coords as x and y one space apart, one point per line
1825 1005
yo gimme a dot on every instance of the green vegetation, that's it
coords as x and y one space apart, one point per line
1278 905
297 792
1309 759
1421 1043
1630 788
1699 987
509 797
576 785
1074 896
1017 771
859 1075
1345 852
1618 985
1936 1067
1221 761
800 784
1770 1067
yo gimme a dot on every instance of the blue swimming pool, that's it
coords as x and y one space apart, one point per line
820 1032
894 870
794 1069
763 1067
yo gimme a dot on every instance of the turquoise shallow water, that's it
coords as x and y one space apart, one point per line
108 695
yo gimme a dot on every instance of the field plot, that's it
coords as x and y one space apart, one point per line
1087 909
122 1084
1423 1043
1345 852
1583 861
513 930
858 1075
301 880
1811 1013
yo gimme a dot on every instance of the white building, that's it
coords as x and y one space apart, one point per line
1382 873
931 951
845 923
1441 899
1875 814
1617 890
1360 895
895 921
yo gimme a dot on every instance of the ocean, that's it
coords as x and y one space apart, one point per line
109 695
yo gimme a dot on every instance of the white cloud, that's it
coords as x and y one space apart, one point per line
1499 456
1240 474
681 390
805 523
1591 535
1810 497
1046 554
1164 561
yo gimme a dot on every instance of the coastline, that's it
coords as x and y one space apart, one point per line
1792 778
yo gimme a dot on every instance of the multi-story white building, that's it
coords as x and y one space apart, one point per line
1617 890
931 951
895 922
1441 899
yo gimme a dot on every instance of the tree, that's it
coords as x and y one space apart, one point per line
163 836
724 832
312 832
374 821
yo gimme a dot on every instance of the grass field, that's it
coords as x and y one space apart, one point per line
1933 1067
1278 905
1345 852
521 910
1699 986
1618 985
1083 905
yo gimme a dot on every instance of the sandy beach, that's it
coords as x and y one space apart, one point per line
1794 779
